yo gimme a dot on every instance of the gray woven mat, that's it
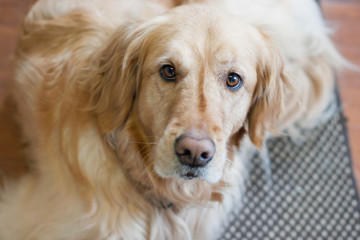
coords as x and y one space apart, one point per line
311 193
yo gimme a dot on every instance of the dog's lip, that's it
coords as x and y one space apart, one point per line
189 175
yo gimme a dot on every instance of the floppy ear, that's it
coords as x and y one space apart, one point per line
268 98
114 87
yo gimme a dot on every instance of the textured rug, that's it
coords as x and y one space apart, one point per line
306 192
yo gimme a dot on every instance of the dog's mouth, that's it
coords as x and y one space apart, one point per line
189 173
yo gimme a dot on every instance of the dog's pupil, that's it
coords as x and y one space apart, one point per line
169 71
233 80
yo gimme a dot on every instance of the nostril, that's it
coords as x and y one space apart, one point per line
205 155
187 152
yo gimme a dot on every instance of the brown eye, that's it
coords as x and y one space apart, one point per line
234 81
168 73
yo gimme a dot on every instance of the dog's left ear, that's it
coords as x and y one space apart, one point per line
268 98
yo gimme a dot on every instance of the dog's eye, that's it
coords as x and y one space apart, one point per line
234 81
168 73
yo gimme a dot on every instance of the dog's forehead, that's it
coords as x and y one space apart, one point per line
212 48
197 19
209 33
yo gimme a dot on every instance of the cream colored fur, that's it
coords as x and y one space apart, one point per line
101 123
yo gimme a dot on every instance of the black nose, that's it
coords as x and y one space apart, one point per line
193 151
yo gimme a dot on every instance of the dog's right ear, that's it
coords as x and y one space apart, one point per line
114 87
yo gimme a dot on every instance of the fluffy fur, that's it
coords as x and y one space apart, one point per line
101 123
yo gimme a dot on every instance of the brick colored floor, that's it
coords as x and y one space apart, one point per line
343 15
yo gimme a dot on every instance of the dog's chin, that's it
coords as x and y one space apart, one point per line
187 173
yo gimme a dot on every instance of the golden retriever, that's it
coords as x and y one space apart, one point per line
139 115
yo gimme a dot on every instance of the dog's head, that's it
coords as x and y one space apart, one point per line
190 83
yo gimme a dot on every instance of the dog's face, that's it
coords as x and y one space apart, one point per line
196 90
195 78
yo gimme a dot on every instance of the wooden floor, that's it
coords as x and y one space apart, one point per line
343 15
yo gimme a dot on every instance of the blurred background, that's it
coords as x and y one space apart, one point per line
342 15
